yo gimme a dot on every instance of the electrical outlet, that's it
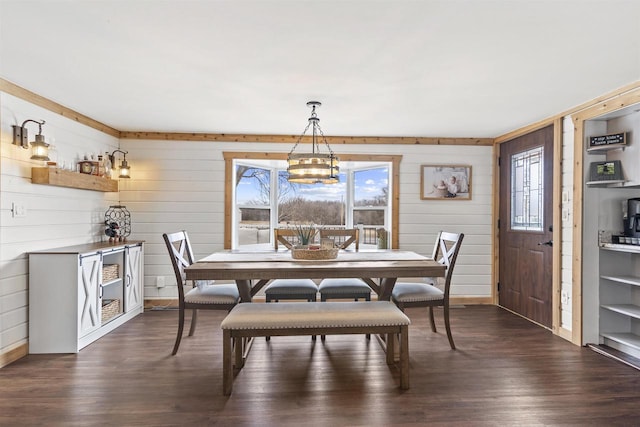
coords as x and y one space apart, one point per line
564 298
160 282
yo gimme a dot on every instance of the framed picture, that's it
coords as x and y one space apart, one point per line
445 182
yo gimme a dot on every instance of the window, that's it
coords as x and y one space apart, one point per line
527 187
259 198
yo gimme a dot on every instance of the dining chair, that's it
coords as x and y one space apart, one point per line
289 289
203 295
435 291
353 289
287 237
349 288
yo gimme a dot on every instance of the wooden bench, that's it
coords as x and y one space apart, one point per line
313 318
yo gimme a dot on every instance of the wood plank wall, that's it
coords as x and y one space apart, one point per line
180 185
55 216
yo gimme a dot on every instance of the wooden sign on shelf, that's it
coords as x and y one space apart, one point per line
608 140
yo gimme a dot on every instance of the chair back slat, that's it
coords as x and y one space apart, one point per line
181 255
342 237
446 251
288 237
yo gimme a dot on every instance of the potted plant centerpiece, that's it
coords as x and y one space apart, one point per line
306 233
306 249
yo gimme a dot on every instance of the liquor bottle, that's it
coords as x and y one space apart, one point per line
107 165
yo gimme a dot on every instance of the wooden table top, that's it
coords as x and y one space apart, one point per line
230 265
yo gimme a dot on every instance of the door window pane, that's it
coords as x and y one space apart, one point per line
527 187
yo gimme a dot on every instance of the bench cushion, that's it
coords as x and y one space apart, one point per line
300 315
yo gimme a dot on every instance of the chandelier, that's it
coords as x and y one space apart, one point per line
314 167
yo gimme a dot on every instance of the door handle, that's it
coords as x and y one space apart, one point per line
547 243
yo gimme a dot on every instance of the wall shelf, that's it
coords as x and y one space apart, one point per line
603 148
627 280
605 183
64 178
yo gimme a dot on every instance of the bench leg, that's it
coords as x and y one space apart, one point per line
404 357
227 363
241 345
390 347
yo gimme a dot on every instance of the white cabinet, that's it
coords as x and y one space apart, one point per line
77 294
620 298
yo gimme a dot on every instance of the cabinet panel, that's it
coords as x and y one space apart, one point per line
133 278
89 270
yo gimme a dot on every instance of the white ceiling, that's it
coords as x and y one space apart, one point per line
432 68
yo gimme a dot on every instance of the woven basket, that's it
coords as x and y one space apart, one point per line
314 254
110 272
110 309
440 192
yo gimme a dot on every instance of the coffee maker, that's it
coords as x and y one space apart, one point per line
632 219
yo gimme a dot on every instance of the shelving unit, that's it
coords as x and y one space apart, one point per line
611 271
619 320
64 178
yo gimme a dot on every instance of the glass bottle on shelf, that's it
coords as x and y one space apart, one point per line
107 165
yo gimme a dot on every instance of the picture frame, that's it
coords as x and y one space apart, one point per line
445 182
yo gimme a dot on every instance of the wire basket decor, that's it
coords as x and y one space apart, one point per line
118 222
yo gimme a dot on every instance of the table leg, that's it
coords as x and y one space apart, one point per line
244 288
386 286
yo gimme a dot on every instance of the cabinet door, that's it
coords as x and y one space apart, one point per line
133 278
89 272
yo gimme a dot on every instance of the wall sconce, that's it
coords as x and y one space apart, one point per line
125 170
39 148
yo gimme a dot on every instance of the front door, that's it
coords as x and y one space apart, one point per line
526 212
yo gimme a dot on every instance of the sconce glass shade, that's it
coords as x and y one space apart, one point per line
125 170
39 149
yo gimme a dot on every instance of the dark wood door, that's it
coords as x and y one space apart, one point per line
526 212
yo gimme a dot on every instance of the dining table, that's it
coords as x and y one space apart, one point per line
252 270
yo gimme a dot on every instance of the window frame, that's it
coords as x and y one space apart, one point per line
231 156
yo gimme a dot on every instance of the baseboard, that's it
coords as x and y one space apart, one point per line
566 334
150 304
615 355
14 354
470 301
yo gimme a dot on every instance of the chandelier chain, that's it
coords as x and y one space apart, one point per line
324 138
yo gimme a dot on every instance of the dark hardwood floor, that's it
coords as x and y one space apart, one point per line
506 371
